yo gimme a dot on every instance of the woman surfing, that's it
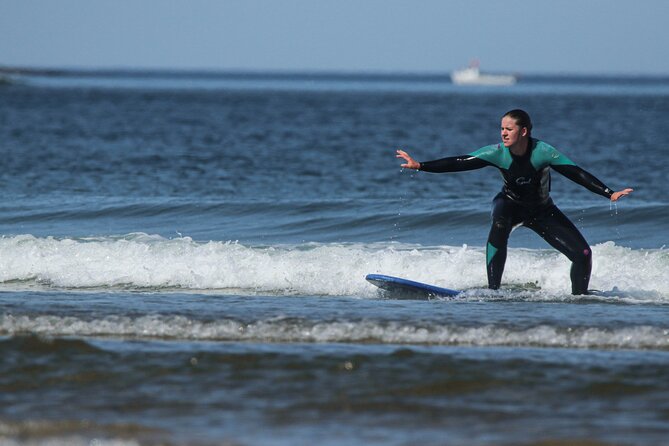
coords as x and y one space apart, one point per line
525 164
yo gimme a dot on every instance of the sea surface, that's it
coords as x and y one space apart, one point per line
183 261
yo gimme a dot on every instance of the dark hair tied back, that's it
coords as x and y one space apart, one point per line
521 117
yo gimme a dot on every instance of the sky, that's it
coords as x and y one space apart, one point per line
385 36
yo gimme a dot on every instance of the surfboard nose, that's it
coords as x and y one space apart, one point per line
399 286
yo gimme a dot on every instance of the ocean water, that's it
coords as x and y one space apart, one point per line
182 262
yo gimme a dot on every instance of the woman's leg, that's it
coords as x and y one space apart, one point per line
554 227
505 214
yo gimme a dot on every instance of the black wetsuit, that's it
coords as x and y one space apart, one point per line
525 200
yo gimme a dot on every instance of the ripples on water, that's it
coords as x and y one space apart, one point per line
183 262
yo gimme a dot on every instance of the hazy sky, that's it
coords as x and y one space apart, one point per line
522 36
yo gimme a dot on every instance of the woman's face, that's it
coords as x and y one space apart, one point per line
511 132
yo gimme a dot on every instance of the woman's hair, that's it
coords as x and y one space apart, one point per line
521 117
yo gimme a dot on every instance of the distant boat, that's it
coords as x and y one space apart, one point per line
472 76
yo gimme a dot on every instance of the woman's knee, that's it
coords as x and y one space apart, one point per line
501 225
499 232
582 256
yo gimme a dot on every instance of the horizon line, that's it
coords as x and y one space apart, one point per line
76 71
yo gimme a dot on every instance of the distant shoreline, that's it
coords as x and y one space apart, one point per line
164 73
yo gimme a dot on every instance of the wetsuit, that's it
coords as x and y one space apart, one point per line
525 200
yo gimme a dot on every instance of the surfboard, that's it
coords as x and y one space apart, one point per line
409 288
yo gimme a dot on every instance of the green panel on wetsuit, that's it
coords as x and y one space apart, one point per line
495 154
490 253
545 155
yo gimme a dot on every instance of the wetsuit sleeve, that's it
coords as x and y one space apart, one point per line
453 164
585 179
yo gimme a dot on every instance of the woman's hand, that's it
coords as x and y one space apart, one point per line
410 162
621 193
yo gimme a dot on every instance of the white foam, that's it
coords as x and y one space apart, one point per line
289 330
144 261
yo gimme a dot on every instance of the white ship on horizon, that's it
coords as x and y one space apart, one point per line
472 76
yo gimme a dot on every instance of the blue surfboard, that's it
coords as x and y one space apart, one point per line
409 288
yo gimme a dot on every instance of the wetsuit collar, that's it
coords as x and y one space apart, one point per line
531 143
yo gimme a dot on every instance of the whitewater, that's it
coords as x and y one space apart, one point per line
142 261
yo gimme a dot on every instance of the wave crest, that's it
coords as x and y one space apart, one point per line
299 330
141 261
